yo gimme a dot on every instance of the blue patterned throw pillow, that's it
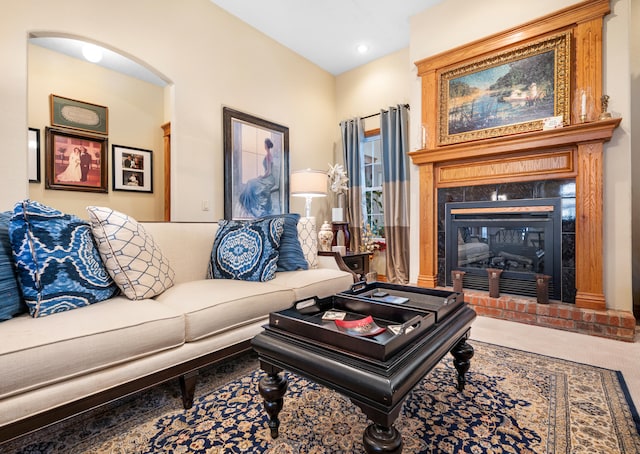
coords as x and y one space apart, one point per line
59 267
291 256
246 251
10 299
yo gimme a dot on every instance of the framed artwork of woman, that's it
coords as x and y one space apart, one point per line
256 166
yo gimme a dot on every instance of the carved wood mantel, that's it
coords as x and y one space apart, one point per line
574 151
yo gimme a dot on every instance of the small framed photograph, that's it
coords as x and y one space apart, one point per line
33 156
75 162
84 116
132 169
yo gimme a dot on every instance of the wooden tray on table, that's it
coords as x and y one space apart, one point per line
314 320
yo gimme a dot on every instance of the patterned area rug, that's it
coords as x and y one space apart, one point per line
514 402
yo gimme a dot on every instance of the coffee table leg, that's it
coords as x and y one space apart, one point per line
381 439
462 354
272 388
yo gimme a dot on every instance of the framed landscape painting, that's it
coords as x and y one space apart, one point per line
75 162
506 93
256 166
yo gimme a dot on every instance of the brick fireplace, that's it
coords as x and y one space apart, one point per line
519 157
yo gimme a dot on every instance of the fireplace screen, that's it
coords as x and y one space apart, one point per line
519 237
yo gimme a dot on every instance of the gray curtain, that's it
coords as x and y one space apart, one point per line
394 139
352 136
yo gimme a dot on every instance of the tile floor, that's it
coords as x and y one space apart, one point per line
597 351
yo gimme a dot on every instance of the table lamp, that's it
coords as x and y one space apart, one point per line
308 183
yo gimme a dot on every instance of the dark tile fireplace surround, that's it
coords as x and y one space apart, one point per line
561 313
543 189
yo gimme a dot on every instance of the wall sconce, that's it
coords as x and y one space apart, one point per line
308 183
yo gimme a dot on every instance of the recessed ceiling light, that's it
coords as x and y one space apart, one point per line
362 48
92 52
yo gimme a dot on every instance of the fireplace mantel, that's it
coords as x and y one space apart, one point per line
573 151
570 136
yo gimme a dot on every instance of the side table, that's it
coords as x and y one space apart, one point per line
358 262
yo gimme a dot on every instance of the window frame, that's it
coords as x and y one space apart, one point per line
370 136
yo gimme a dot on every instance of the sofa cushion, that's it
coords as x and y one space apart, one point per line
213 306
36 353
309 240
11 301
195 237
290 256
246 251
58 265
133 259
321 282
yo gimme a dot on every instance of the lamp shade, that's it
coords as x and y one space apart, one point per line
308 183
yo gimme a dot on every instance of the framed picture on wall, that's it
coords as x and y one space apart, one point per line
256 166
132 169
75 162
69 113
33 155
509 92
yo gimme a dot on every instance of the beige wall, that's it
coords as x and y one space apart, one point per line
213 60
367 89
136 111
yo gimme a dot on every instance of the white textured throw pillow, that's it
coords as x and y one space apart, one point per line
130 255
309 240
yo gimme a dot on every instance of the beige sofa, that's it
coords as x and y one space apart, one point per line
65 363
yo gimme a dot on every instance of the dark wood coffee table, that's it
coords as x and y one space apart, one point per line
379 388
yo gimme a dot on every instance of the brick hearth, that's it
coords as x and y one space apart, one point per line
612 324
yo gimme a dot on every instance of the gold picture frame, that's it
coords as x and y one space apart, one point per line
505 93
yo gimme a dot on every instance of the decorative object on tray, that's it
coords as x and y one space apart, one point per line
362 327
334 315
325 237
385 297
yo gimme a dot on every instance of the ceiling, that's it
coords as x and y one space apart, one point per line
325 32
111 60
328 32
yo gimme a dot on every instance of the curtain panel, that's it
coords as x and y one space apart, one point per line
394 139
352 137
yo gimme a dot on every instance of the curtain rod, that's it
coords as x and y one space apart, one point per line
373 115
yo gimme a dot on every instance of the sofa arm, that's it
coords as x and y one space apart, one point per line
330 259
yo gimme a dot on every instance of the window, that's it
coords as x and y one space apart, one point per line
372 206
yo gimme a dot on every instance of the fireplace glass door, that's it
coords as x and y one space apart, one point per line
520 237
